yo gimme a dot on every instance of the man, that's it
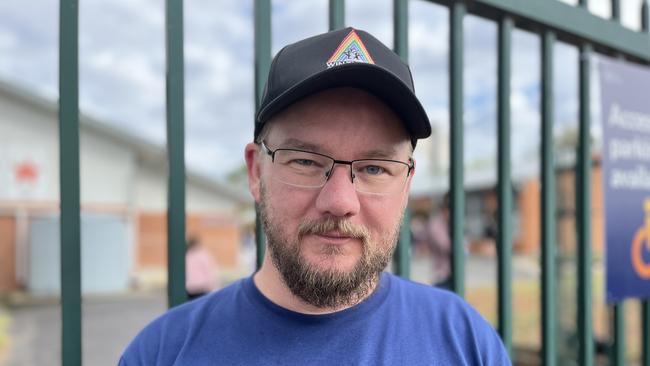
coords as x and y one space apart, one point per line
330 168
200 269
440 244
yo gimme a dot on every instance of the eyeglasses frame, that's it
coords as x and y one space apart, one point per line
328 174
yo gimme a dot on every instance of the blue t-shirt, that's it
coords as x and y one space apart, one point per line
401 323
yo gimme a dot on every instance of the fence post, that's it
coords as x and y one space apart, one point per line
644 16
176 294
336 14
616 10
504 241
548 204
618 325
402 257
456 181
69 179
262 64
583 219
645 329
401 28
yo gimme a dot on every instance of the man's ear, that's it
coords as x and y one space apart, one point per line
253 167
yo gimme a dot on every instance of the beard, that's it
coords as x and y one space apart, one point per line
330 288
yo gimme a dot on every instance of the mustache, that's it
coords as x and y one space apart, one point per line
328 224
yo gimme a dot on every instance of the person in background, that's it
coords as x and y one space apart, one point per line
440 245
200 270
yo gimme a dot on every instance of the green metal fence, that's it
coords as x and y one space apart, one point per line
550 19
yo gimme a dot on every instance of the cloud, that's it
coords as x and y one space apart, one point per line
375 17
122 64
122 67
30 54
7 40
294 20
428 58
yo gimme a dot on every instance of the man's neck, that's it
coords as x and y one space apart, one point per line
269 281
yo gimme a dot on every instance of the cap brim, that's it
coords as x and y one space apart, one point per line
371 78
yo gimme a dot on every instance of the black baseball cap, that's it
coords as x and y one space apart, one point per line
342 58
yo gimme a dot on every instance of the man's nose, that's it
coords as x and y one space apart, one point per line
338 197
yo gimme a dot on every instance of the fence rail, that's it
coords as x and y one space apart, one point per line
552 20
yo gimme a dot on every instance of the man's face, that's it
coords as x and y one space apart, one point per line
329 244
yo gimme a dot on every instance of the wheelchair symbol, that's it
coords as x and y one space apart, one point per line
641 238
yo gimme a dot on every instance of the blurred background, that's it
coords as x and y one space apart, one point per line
124 166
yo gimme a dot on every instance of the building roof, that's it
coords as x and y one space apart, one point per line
148 152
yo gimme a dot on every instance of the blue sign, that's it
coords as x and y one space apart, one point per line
625 100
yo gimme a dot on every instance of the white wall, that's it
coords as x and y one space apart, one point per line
112 175
107 171
151 194
31 136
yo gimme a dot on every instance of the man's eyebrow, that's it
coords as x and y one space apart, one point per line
293 143
385 153
388 153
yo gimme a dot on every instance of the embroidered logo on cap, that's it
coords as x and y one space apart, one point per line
349 51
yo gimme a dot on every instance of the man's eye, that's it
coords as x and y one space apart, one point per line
373 170
303 162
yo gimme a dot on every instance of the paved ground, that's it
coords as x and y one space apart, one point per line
110 323
481 270
108 326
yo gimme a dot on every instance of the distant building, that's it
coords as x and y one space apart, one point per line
123 199
481 203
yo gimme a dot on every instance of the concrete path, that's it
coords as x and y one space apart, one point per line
108 326
480 270
110 323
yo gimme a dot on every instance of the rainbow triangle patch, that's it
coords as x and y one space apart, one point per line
349 51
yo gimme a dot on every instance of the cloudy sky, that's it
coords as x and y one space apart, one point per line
122 68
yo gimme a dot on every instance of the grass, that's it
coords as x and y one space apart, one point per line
527 316
5 321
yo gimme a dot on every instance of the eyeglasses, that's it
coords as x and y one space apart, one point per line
308 169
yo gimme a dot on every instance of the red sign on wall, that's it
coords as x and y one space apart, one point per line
26 172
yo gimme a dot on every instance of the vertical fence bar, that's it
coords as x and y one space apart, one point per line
645 330
616 10
644 16
456 181
618 351
262 64
402 257
583 219
401 28
336 14
548 204
69 180
645 304
504 240
176 154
